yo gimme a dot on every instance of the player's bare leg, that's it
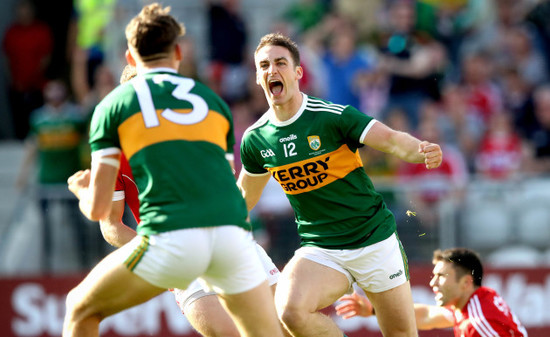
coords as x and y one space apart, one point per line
253 312
304 288
209 318
106 290
395 311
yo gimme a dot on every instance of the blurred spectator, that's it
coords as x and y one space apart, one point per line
519 52
228 71
414 61
373 88
451 21
28 45
518 99
365 15
56 131
489 36
304 14
482 94
538 17
343 62
465 127
92 18
500 152
188 65
539 140
311 58
104 82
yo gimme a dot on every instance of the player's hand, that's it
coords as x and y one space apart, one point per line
354 305
433 156
79 182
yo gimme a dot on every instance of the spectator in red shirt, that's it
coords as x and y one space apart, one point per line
482 94
28 44
500 152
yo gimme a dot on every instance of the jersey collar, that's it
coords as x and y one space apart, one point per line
158 70
275 122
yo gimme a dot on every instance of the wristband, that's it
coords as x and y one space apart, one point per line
109 161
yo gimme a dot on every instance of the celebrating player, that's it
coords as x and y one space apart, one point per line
462 302
347 233
174 132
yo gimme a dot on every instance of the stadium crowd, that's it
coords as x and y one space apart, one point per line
471 75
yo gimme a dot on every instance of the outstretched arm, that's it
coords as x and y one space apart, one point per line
427 316
403 145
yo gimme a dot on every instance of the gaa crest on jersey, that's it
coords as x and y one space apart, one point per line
314 142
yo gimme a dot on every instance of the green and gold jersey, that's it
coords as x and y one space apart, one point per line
58 133
175 133
314 158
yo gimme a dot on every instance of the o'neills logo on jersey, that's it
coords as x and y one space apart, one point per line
316 172
314 142
288 139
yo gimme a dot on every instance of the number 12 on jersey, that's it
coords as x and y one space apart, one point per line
290 149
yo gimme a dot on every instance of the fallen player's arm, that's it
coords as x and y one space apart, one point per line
114 231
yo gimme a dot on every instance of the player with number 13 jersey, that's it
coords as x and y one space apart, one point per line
187 123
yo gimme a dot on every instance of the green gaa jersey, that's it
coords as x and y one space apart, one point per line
58 132
314 158
175 133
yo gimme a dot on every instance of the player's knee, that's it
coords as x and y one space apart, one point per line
71 303
292 316
77 311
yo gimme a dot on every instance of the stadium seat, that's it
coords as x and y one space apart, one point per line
533 215
487 221
515 256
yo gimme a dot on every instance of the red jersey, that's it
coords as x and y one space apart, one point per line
499 157
487 315
126 188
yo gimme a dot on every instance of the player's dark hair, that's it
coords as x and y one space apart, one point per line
465 261
278 39
153 32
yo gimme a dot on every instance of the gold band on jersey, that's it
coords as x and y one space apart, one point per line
316 172
134 136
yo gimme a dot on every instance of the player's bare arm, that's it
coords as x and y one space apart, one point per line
251 187
403 145
95 188
432 317
354 305
427 316
114 231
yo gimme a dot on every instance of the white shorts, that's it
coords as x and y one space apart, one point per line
196 291
223 258
375 268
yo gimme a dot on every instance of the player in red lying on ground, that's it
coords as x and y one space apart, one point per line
462 302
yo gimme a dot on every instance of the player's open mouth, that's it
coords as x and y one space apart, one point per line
276 87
